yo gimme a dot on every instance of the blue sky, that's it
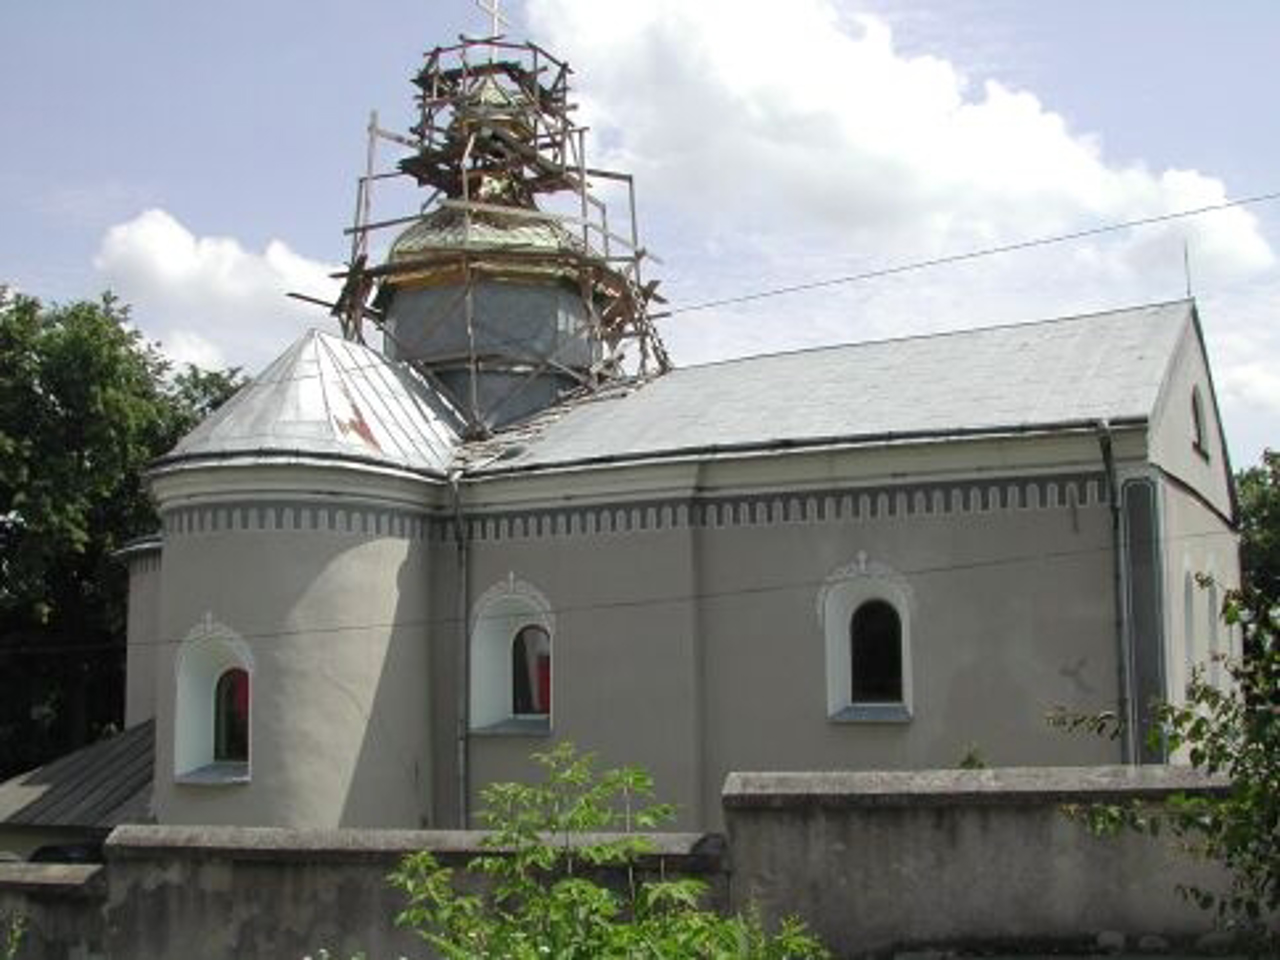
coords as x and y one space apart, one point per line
200 159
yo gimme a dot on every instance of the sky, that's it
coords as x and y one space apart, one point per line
199 160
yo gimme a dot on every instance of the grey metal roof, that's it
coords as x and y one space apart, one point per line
99 786
1105 365
330 397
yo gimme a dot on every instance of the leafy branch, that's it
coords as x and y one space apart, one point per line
536 893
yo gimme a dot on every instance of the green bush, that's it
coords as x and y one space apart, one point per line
539 893
14 928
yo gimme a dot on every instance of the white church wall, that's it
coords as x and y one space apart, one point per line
1011 615
689 640
329 599
1198 541
624 654
1187 392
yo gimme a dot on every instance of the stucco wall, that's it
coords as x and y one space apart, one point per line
330 602
143 631
1197 541
1206 471
624 654
697 648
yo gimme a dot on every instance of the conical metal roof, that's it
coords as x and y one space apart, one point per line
330 398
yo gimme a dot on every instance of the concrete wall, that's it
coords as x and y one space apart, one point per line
883 861
873 862
61 907
188 893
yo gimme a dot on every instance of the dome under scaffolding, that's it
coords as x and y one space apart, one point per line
503 305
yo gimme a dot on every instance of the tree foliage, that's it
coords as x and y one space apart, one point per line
85 404
541 892
1258 492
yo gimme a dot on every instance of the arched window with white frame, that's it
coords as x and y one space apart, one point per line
866 610
511 670
212 706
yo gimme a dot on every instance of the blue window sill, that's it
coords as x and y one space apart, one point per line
516 727
218 774
872 713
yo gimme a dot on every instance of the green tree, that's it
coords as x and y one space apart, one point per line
544 891
1258 492
85 404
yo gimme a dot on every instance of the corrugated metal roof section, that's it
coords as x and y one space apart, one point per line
1079 368
448 228
101 785
330 397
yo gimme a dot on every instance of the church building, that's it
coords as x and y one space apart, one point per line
488 514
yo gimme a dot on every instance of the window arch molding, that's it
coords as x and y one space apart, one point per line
209 652
842 594
498 617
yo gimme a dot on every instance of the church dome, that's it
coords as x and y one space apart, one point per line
332 399
449 229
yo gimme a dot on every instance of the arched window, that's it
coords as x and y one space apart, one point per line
866 610
231 717
212 706
531 672
875 654
1199 440
512 632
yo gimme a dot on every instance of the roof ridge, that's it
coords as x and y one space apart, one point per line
936 334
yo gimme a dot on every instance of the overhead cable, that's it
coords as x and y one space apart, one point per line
968 255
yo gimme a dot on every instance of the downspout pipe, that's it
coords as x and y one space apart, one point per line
1124 672
463 686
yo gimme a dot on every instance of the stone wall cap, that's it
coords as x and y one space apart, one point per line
345 845
996 786
57 879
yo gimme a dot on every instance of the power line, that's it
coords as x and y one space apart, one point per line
626 604
383 362
969 255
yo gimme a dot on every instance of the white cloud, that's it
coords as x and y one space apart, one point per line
780 143
208 300
783 117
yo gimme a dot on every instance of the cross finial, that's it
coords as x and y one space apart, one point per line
494 9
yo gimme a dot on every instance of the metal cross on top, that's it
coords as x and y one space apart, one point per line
496 19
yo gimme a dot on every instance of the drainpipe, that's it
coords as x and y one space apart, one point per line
464 654
1123 673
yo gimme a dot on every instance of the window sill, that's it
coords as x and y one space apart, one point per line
872 713
515 727
222 773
